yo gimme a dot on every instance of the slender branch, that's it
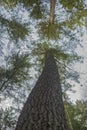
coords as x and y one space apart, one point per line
52 11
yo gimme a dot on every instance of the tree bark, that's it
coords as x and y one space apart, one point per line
44 108
52 10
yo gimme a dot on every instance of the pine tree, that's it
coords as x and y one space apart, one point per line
44 108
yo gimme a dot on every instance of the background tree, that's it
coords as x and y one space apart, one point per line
77 114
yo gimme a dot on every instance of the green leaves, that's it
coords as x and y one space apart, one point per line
77 11
37 10
16 72
44 48
13 3
63 59
15 29
72 4
51 31
9 3
77 114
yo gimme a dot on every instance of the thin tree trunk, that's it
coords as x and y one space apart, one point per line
52 10
44 108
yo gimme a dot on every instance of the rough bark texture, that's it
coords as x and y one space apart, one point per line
44 109
52 10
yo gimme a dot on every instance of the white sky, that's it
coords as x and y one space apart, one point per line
81 91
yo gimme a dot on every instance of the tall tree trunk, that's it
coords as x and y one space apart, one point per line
44 108
52 10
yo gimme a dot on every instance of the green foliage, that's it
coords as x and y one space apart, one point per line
17 30
20 65
16 72
14 28
51 31
13 3
41 51
77 12
79 4
29 2
77 114
8 3
77 18
37 12
2 73
44 48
